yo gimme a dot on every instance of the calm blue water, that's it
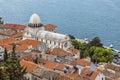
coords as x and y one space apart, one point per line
82 18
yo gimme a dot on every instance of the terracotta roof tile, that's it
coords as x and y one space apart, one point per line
74 75
22 45
15 26
27 57
7 41
8 47
50 65
81 62
29 42
59 52
113 67
18 34
60 66
49 26
30 66
74 51
43 61
89 74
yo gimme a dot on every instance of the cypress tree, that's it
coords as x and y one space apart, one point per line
5 54
12 69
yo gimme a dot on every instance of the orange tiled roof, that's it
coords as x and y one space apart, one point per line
49 26
113 67
22 45
81 62
15 26
29 42
74 75
43 61
7 41
27 57
8 47
50 65
18 34
30 66
73 50
60 66
35 52
89 74
59 52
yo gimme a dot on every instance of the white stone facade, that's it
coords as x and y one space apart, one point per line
35 30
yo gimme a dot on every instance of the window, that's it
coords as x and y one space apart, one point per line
50 42
65 45
0 56
54 43
102 78
27 33
41 40
37 38
59 44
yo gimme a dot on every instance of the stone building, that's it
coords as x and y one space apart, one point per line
37 31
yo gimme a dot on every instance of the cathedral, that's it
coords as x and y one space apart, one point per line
37 31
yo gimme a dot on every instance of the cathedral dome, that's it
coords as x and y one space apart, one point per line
35 21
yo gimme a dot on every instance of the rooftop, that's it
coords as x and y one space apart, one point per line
30 66
81 62
59 52
49 26
15 26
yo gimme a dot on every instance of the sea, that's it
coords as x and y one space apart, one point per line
81 18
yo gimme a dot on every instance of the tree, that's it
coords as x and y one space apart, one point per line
71 36
76 44
83 47
101 54
83 50
86 53
1 74
5 54
91 51
12 70
95 42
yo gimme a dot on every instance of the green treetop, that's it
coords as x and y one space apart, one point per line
12 70
99 54
95 42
